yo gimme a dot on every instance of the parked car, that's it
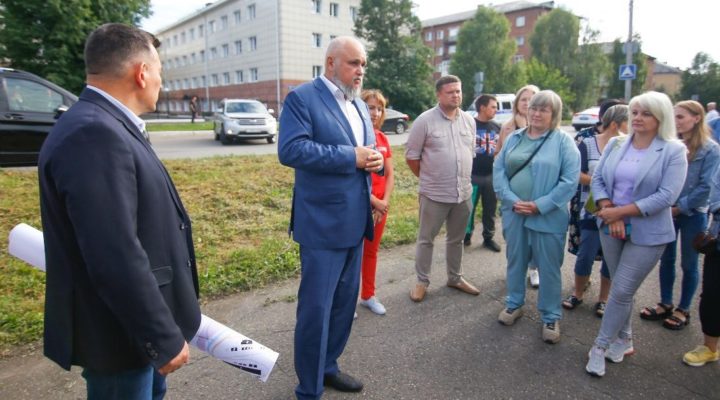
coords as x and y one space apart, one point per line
586 118
29 107
504 112
241 119
395 121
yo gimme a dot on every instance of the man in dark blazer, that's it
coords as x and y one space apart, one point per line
327 137
121 295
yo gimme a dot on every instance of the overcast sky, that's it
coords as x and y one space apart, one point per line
672 31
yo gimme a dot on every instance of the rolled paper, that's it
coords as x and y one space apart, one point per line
214 338
27 244
234 348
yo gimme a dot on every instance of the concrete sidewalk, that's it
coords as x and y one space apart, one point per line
448 347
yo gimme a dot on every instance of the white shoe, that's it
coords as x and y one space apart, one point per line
374 305
596 362
619 349
551 332
534 277
355 316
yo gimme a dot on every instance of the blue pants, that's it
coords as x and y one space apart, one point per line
689 227
329 286
544 248
587 250
137 384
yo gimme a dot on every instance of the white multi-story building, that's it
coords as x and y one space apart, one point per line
258 49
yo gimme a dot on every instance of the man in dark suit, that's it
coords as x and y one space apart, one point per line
327 136
121 295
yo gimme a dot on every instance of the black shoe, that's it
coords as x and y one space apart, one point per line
343 382
490 244
467 241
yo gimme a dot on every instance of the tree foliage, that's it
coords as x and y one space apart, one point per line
398 60
47 37
616 87
702 79
483 45
546 77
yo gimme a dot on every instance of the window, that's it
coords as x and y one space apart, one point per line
201 30
185 60
226 78
177 62
428 36
175 42
238 17
453 32
316 71
182 38
193 58
202 55
211 26
253 43
520 21
213 53
194 83
214 80
316 6
239 77
178 84
451 49
253 74
334 8
238 46
440 35
353 13
186 84
251 12
440 51
192 33
31 96
332 37
223 22
520 40
169 64
204 80
225 50
518 58
444 68
317 40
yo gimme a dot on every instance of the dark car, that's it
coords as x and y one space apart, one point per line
395 121
29 107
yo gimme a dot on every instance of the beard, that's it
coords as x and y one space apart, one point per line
350 92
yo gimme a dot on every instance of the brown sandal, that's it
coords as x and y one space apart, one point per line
675 323
651 314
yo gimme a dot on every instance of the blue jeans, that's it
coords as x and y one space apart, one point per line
587 250
138 384
689 227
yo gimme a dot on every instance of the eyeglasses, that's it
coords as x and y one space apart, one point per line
543 110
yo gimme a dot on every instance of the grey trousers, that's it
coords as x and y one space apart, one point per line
629 264
432 216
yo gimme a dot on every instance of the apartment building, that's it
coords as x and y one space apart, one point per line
441 33
258 49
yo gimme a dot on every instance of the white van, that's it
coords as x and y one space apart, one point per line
504 111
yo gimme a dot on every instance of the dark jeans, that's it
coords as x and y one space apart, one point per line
137 384
710 297
689 227
484 189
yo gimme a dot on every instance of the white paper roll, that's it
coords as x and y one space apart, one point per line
27 244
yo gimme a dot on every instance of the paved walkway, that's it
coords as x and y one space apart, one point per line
448 347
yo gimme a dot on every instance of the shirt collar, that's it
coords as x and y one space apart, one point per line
131 115
332 87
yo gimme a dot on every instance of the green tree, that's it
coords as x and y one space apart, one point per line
616 87
47 37
702 79
483 45
550 78
398 60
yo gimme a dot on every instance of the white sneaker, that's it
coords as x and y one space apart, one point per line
534 277
355 316
619 349
374 305
596 362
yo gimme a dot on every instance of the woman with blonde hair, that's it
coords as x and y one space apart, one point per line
382 187
689 214
634 186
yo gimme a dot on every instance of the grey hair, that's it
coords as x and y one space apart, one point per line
548 98
660 106
617 114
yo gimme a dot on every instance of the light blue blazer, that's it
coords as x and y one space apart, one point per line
659 181
331 198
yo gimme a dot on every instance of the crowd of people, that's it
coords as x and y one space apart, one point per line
122 285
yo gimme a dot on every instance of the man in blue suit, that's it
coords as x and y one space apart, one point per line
327 137
122 287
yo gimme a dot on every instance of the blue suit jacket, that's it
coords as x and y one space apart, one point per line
331 198
658 184
122 287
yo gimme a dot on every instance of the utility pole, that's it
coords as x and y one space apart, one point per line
629 53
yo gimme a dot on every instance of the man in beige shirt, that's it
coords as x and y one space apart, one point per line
439 151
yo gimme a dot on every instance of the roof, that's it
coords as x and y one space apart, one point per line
207 7
661 68
501 8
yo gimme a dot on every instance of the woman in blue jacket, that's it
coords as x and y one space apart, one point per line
535 176
634 186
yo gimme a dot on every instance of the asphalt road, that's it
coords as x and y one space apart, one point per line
448 347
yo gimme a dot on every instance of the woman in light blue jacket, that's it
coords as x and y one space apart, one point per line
535 176
638 179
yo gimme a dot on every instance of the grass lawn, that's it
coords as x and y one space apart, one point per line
240 207
179 126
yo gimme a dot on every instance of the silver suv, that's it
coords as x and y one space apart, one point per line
240 119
